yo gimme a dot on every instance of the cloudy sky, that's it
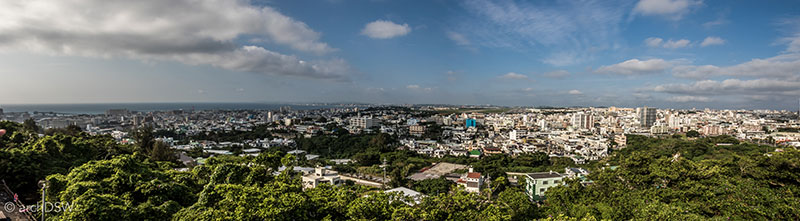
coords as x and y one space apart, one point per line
663 53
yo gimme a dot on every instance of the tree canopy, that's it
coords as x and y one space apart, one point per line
652 178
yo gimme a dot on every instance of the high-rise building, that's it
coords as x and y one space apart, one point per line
364 122
582 121
542 124
416 130
647 117
517 134
138 120
470 123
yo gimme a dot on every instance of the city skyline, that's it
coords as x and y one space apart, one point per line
661 53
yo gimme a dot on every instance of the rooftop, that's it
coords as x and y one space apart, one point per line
542 175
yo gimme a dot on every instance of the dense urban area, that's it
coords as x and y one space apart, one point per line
413 162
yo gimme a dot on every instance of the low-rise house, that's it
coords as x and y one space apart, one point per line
492 150
341 161
311 156
320 175
536 184
416 130
573 172
414 196
475 153
296 152
471 181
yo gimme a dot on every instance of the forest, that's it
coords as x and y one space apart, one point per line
653 179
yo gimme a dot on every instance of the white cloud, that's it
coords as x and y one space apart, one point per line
642 96
259 60
791 25
785 65
575 92
557 74
762 86
565 58
416 87
684 99
635 67
653 42
458 38
512 75
570 31
793 43
382 29
190 31
712 41
671 44
674 9
451 75
774 91
717 22
676 44
164 25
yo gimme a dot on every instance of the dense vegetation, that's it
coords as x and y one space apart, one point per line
347 145
653 179
26 158
673 179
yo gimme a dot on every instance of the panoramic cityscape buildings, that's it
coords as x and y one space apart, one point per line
582 135
399 110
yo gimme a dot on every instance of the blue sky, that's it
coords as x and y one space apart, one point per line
664 53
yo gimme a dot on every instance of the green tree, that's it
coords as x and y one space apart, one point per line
123 188
161 151
30 126
144 138
433 186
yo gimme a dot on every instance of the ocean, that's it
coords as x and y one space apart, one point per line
149 107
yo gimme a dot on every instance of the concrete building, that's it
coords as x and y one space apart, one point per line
363 122
647 117
517 134
659 129
582 121
471 181
536 184
470 123
416 130
575 172
621 140
414 196
320 175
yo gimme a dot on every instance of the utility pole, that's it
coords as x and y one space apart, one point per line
384 172
43 184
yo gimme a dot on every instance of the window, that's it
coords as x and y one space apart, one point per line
544 182
557 181
541 190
